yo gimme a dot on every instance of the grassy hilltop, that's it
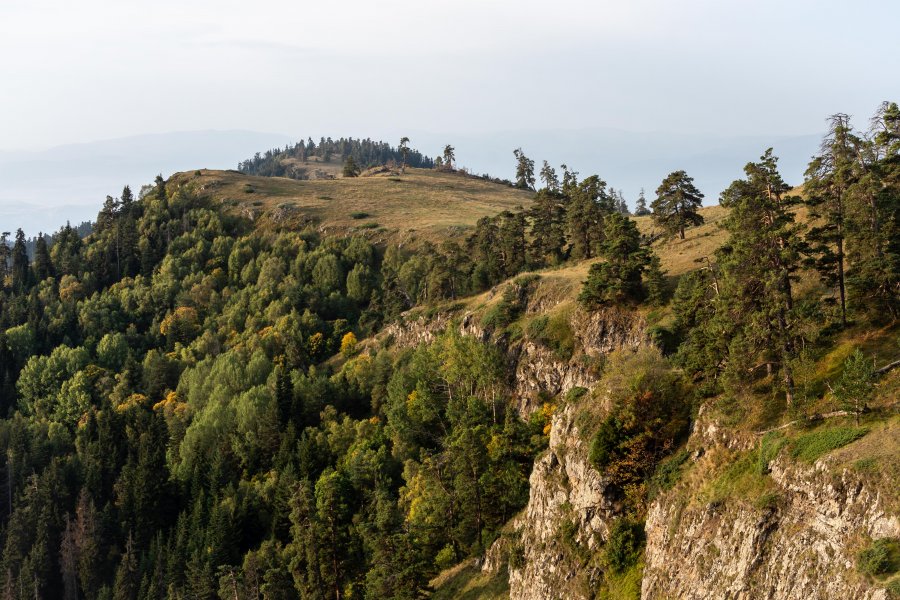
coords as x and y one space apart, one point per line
420 204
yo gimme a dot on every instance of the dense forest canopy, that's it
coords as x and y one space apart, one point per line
189 410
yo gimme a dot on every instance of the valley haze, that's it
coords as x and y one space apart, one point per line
43 189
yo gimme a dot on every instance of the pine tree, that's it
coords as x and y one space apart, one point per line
676 204
829 178
449 157
21 274
587 205
855 384
548 176
524 170
160 187
641 209
404 150
350 168
5 255
759 261
655 281
548 237
618 277
43 264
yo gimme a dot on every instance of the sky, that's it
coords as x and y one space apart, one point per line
89 70
74 72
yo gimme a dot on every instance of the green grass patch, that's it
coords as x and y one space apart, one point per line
369 225
810 446
359 215
740 479
668 472
554 332
623 586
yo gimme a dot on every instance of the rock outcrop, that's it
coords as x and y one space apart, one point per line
565 522
798 544
536 371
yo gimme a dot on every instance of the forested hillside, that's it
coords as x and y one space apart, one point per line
201 399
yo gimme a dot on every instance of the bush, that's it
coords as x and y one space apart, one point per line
359 215
554 332
507 310
669 471
648 417
623 548
881 558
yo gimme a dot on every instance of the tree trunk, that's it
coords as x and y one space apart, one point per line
842 289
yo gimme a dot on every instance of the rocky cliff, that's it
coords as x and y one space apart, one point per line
792 531
536 371
795 538
566 520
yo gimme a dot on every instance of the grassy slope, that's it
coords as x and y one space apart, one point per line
421 204
465 581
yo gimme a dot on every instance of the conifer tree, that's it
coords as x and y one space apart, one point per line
404 150
548 237
759 261
43 265
350 168
641 209
524 170
548 176
676 204
449 157
618 277
829 178
20 272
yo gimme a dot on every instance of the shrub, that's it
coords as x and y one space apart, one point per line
669 471
648 417
554 332
623 548
359 215
369 225
506 310
881 558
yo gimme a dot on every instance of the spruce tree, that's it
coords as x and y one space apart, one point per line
676 204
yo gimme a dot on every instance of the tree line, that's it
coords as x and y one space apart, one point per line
364 153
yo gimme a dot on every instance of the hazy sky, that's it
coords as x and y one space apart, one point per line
88 70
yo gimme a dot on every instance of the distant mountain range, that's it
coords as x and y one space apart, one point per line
40 191
629 160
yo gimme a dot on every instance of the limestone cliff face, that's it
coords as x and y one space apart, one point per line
565 522
801 544
536 370
797 546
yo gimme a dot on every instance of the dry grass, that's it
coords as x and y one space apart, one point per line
421 204
680 256
465 581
